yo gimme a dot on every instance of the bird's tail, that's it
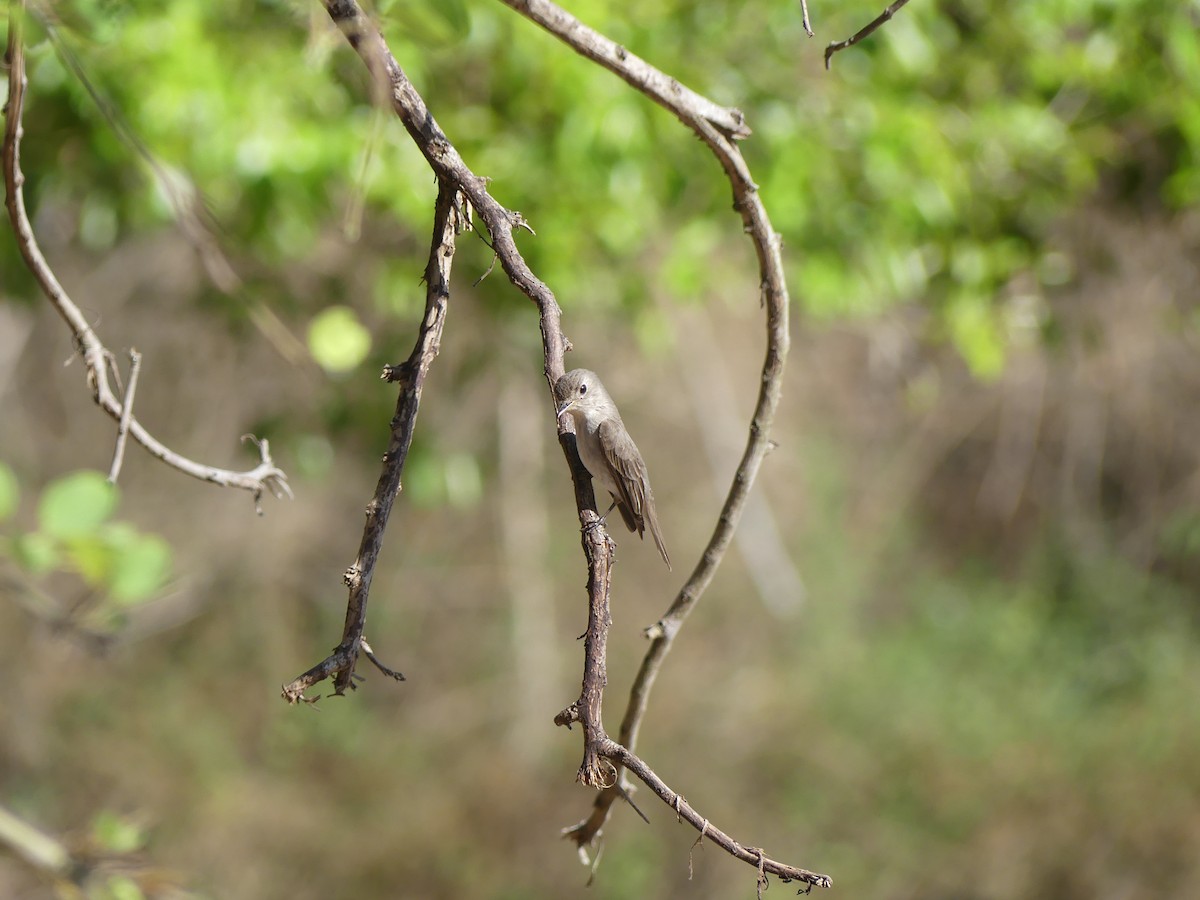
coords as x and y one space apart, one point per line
656 533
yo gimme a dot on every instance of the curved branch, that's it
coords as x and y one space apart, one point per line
446 163
631 68
265 476
775 299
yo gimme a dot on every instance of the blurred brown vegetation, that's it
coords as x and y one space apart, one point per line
969 671
908 728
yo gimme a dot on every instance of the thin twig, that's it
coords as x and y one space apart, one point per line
135 366
804 18
46 854
340 664
660 87
370 654
188 206
862 32
265 476
684 810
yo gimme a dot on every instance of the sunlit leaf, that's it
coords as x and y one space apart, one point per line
140 569
337 340
36 552
91 557
76 504
122 887
116 833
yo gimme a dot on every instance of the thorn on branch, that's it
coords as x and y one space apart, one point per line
696 843
491 266
519 221
370 654
135 366
627 795
400 373
568 716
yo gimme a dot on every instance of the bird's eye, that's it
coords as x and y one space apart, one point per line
583 389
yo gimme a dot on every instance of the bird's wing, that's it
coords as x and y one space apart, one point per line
627 468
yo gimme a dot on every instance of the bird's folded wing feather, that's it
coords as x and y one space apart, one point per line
627 468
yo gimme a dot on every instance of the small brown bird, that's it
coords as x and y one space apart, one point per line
608 452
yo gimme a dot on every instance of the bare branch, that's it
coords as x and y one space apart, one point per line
862 32
187 204
411 375
684 812
635 71
588 709
500 223
603 757
804 18
775 299
265 476
135 366
39 850
448 165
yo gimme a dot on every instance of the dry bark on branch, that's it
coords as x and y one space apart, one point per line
448 219
721 142
718 128
604 758
862 32
263 477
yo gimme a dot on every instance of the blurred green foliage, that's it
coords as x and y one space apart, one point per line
928 729
337 339
120 565
930 164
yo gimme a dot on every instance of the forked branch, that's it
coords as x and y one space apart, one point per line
603 757
500 223
263 477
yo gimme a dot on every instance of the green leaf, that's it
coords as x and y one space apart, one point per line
76 504
117 834
36 552
91 557
139 569
122 887
337 340
9 494
975 333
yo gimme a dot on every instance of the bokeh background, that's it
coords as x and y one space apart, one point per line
956 651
